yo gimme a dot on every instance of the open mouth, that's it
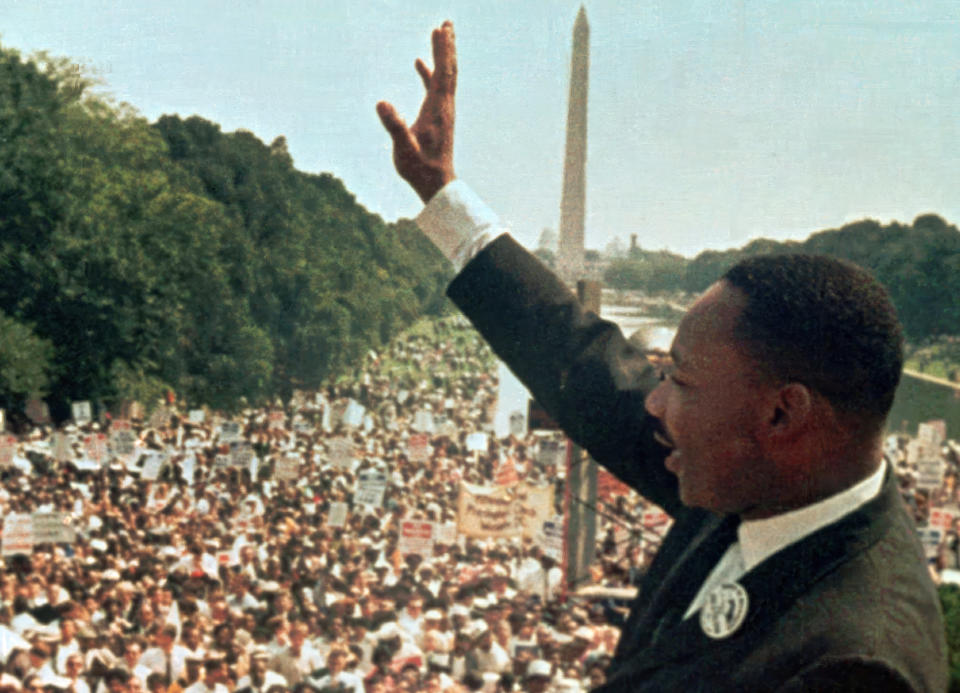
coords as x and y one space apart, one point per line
663 440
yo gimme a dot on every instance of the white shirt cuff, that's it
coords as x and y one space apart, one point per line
458 222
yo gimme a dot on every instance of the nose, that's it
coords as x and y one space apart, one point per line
655 401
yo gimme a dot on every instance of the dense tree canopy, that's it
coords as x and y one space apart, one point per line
136 258
919 264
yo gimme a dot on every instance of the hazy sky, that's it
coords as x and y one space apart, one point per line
710 121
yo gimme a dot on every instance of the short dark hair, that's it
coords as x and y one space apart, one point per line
826 323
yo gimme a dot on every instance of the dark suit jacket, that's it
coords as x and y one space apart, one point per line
850 607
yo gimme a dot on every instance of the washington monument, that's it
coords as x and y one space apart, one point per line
573 202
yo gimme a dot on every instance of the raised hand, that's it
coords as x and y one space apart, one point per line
423 153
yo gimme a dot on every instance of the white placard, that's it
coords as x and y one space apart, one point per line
17 534
445 533
60 445
353 414
196 416
230 432
81 412
550 538
477 442
930 474
123 439
423 421
337 516
286 468
371 487
341 452
240 454
95 446
53 528
152 464
416 536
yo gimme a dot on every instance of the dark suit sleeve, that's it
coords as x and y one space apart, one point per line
848 675
580 368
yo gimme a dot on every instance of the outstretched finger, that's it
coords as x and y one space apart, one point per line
403 141
424 72
444 58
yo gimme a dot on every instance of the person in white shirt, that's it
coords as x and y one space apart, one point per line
299 659
215 675
337 678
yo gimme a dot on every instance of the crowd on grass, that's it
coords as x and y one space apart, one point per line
192 564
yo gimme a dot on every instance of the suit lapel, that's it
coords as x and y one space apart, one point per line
774 585
677 585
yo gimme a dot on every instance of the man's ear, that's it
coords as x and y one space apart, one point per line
792 410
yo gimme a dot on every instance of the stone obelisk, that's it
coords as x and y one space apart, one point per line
573 202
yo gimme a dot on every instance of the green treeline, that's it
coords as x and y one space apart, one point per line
919 264
137 257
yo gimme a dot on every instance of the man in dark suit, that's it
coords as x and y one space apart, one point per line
791 564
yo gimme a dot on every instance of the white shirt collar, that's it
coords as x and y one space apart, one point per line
760 539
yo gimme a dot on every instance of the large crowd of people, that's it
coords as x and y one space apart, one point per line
195 560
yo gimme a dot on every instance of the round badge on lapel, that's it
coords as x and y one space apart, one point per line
724 610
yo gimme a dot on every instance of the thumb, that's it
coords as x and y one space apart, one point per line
403 141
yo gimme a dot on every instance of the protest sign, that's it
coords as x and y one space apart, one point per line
221 461
60 446
485 512
81 412
230 432
337 516
53 528
941 518
95 447
286 468
341 452
17 534
656 520
196 416
477 442
418 448
416 536
8 448
422 421
930 473
353 414
930 538
932 432
534 507
445 533
550 538
371 487
503 511
552 453
123 439
152 464
240 455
